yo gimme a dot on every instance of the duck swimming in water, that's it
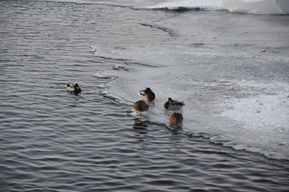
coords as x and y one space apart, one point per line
176 118
173 105
140 106
73 88
147 94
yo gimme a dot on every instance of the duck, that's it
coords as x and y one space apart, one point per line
73 88
147 94
140 106
173 104
176 118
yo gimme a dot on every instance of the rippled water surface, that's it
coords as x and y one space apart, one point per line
51 140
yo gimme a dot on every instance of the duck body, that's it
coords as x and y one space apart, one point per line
147 94
140 106
73 88
173 105
176 118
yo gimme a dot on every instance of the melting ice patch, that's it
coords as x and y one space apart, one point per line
271 109
244 114
265 118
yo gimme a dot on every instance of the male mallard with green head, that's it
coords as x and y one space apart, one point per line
173 104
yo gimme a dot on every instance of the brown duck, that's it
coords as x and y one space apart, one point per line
176 118
140 106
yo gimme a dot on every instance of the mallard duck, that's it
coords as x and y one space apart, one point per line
176 118
147 94
173 105
140 106
73 88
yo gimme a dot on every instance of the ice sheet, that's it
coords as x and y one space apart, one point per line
241 6
231 70
221 101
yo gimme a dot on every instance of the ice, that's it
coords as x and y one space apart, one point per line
244 112
231 71
256 6
243 6
265 118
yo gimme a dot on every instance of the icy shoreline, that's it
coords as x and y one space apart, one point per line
233 78
237 112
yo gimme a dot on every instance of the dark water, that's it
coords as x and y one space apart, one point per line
51 140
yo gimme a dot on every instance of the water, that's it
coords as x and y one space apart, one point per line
55 141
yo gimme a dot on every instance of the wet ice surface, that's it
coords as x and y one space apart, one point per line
240 6
242 105
234 85
264 117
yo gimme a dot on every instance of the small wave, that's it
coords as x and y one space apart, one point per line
119 67
186 5
240 6
177 8
101 76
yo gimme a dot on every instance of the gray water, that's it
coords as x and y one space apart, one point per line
51 140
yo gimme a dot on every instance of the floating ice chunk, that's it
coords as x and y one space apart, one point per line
101 76
256 6
101 86
92 48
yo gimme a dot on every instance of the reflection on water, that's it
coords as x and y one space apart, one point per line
140 127
175 129
141 122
